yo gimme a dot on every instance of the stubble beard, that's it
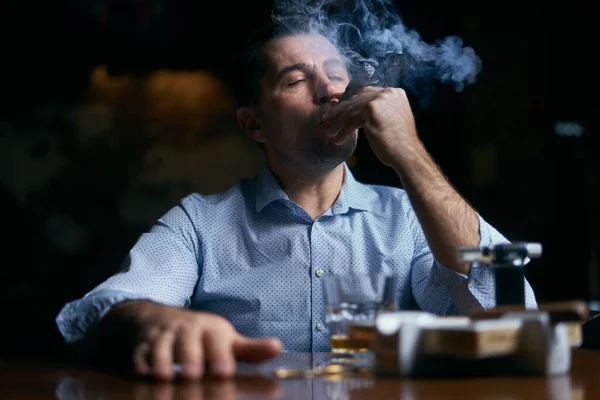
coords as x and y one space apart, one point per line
321 156
316 158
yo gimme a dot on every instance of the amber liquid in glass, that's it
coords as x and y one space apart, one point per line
351 327
358 339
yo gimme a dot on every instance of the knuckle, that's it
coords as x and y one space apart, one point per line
187 331
399 92
188 347
372 106
387 93
151 333
216 324
163 337
222 331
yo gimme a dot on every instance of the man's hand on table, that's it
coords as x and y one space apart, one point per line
161 336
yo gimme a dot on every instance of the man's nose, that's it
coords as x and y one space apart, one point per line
325 92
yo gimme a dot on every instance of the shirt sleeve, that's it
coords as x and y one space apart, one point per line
162 266
443 291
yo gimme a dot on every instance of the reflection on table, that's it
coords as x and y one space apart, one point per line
28 380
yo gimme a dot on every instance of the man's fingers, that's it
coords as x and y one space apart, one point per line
358 100
188 353
344 134
340 122
335 112
218 353
346 126
162 355
141 362
247 349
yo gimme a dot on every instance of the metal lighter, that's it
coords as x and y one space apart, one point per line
508 261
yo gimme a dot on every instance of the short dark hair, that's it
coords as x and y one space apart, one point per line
251 65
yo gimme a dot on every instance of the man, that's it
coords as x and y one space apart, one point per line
248 262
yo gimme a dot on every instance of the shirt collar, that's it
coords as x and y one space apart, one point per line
267 189
353 195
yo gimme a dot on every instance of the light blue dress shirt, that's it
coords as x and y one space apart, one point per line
255 257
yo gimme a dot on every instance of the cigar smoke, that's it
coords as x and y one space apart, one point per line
371 32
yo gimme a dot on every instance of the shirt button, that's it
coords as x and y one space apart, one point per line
320 327
319 272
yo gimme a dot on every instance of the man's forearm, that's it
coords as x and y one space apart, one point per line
447 220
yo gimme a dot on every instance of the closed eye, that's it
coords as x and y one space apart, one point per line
296 82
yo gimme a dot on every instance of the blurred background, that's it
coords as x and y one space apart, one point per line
114 110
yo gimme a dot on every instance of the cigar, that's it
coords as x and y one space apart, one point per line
361 78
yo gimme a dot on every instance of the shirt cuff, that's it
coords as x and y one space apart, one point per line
476 291
78 320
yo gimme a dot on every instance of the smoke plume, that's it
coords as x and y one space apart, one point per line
371 31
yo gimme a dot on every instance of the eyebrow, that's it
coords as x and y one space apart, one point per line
289 68
330 62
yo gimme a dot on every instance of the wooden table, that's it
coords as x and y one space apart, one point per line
31 381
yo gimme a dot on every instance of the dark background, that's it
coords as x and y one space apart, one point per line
113 110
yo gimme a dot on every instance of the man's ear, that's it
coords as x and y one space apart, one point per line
248 121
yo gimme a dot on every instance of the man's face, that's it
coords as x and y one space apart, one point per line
303 74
